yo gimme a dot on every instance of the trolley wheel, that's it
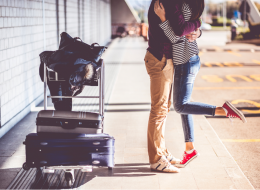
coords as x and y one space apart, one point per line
110 168
69 178
25 166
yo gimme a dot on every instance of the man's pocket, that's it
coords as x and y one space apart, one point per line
168 70
153 65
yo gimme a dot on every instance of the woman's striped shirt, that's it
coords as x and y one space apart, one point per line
182 49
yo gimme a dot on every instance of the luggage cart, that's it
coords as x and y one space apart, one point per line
99 80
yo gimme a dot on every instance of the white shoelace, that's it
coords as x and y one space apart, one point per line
165 162
231 119
183 157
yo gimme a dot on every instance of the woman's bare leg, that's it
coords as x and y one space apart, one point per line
189 146
220 111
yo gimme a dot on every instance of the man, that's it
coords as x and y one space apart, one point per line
159 65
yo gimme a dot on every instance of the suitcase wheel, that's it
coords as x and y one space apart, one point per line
87 169
69 176
48 170
25 166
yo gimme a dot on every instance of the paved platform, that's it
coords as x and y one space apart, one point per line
126 119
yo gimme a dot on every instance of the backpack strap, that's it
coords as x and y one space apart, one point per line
77 39
93 45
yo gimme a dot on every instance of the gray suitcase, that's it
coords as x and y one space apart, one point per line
50 121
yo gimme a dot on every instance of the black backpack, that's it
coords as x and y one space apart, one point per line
85 51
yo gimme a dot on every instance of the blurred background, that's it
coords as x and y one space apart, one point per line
220 15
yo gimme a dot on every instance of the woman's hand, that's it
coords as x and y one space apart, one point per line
193 35
159 10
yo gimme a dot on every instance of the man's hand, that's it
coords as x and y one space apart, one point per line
159 10
193 35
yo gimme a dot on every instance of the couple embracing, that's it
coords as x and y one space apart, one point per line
172 63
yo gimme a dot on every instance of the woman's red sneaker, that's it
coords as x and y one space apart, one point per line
233 112
187 158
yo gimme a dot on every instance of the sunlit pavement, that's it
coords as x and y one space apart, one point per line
232 72
126 119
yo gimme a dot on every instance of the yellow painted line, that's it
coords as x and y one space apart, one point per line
217 48
228 88
256 61
212 78
234 53
241 140
256 77
256 104
234 64
210 64
232 78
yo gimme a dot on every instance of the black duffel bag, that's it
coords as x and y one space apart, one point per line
88 52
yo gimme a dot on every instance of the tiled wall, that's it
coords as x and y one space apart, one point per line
21 41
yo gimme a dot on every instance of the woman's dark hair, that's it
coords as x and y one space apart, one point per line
197 8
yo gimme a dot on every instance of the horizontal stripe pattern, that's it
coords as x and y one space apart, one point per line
182 49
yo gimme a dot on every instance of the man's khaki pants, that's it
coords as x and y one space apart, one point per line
161 78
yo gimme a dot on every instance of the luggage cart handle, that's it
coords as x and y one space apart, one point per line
73 96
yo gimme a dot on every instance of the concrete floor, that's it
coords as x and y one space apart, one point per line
241 140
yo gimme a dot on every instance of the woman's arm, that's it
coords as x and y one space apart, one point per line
175 17
168 31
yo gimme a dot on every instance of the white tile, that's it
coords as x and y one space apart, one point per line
3 11
5 22
1 22
1 78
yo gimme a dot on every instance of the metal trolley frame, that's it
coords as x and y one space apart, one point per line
101 83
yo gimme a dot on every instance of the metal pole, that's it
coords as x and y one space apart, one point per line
103 89
100 89
44 48
224 15
244 16
205 14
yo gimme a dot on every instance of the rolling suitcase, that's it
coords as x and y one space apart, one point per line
50 121
69 150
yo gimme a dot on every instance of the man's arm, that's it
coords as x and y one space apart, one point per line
155 31
165 25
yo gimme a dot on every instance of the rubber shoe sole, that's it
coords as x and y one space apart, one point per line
241 115
155 170
183 165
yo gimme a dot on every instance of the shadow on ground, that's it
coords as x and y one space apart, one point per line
36 179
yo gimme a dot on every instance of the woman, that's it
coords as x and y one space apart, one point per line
186 65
